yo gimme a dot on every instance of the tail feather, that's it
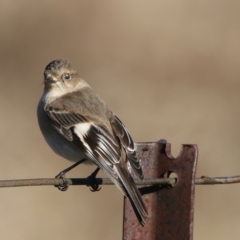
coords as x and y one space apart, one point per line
132 192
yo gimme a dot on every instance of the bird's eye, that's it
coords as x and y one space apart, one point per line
66 76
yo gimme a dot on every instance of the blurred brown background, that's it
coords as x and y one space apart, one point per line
168 69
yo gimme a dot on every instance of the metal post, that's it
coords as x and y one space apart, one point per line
170 209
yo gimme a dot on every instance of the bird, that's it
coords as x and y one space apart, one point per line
77 124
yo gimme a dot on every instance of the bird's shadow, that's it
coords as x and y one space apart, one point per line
153 189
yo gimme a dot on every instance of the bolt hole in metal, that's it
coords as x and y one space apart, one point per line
171 174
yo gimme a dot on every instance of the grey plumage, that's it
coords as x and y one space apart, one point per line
76 123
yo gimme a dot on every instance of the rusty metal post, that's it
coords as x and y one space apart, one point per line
170 209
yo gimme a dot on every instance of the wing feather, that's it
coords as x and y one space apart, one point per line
128 144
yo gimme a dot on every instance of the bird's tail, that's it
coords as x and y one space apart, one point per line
130 190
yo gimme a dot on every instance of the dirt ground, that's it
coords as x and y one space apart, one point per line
167 69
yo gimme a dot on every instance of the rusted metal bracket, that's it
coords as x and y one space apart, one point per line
170 209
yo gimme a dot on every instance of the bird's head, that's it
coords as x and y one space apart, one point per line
59 75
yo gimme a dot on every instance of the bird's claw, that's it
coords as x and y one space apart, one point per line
62 187
93 186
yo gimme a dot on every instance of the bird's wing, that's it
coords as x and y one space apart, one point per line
96 139
127 143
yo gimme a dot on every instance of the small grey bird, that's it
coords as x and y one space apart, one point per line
77 124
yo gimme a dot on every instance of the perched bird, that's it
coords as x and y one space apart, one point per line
77 124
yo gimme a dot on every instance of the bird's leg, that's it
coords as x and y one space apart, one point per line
94 186
64 186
